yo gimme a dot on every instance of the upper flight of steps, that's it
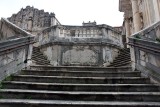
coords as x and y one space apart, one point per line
38 57
47 86
123 59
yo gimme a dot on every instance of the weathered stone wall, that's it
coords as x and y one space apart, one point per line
81 54
145 48
33 20
96 45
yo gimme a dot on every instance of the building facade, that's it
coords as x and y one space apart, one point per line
139 14
33 20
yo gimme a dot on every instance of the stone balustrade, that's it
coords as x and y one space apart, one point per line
15 48
145 48
15 54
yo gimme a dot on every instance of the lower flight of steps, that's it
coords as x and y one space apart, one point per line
47 86
123 59
39 58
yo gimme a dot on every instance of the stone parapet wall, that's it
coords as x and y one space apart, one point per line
64 45
15 48
80 54
98 33
145 48
15 54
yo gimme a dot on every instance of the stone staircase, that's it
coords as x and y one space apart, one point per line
38 57
47 86
123 59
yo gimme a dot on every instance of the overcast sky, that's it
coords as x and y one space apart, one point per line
70 12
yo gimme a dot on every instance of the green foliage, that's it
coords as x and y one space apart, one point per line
1 97
1 85
157 39
138 36
9 78
29 97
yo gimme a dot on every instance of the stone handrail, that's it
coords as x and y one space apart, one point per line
9 30
15 48
145 46
150 33
15 54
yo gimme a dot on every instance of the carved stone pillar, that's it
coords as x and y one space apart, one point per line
30 24
128 32
136 15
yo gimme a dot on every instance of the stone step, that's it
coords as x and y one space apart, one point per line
81 80
124 52
124 55
81 73
36 48
126 49
40 56
79 68
81 87
67 103
45 58
36 51
119 65
37 54
124 59
41 63
80 96
41 60
120 61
